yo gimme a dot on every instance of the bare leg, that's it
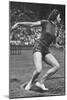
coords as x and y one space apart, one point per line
35 77
50 59
37 58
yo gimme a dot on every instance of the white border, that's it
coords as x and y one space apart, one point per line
4 49
43 1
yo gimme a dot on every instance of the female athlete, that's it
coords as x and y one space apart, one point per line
41 49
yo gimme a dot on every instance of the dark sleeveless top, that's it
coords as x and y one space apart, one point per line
48 33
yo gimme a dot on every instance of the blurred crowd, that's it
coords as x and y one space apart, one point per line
25 36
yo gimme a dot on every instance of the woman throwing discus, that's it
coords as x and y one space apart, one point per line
41 49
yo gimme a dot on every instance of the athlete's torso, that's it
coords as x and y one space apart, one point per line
48 33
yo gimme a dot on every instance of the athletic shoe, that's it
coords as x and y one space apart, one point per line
28 86
41 85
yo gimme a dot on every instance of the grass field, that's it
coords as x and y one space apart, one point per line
21 69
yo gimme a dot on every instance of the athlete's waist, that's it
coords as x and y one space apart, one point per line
43 43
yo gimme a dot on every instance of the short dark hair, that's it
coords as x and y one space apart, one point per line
53 15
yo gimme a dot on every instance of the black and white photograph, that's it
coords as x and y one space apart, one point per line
36 49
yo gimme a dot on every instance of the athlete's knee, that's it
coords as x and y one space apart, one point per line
57 65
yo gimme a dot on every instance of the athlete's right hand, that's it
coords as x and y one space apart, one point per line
14 26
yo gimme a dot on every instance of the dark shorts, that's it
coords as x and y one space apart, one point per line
38 47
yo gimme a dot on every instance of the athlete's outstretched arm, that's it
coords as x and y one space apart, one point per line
22 23
27 24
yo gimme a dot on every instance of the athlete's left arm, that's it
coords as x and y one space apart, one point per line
56 44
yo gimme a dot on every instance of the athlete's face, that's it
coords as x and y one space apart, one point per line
58 18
